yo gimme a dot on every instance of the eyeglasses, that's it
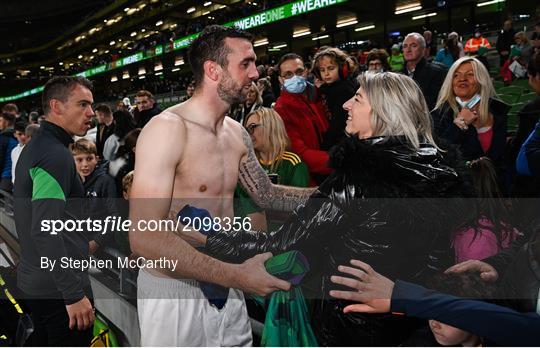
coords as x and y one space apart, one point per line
290 74
251 127
374 64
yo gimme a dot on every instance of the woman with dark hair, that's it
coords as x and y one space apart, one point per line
449 54
377 61
336 70
487 230
123 123
382 203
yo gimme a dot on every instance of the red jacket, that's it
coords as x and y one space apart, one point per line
305 122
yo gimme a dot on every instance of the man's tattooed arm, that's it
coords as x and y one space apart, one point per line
257 184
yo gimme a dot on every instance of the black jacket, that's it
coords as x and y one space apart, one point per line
101 193
142 117
430 78
443 121
48 187
505 40
335 95
102 137
381 205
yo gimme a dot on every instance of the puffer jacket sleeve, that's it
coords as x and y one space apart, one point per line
308 230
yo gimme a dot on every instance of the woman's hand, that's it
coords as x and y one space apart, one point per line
466 117
370 288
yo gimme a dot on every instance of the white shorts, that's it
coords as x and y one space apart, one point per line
174 312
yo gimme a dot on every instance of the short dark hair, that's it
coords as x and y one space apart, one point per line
210 45
286 57
59 87
103 108
8 117
144 93
10 107
20 126
466 285
33 116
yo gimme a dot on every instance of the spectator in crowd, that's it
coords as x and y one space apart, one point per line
448 54
265 87
396 59
378 294
189 91
431 45
473 45
427 75
33 117
99 189
270 143
124 161
105 127
121 237
304 115
123 123
527 117
7 144
455 36
505 41
146 108
535 37
377 61
11 108
273 74
521 51
390 154
62 312
528 162
253 102
487 229
23 134
337 71
467 114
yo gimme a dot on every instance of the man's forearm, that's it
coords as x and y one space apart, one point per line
191 263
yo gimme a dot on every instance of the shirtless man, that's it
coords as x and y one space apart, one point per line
191 153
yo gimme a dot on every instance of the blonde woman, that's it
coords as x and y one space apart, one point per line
270 142
466 113
363 210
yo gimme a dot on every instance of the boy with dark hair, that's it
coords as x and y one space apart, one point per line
99 187
7 144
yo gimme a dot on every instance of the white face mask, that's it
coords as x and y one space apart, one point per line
470 103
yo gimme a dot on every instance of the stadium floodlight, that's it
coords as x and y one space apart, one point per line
260 42
158 23
424 16
366 27
191 9
301 32
485 3
208 3
346 22
320 37
411 6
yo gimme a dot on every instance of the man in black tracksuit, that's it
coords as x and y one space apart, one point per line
49 188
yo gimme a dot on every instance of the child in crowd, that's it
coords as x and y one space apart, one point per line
337 71
487 230
99 186
468 286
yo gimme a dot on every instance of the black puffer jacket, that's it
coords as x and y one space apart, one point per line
382 205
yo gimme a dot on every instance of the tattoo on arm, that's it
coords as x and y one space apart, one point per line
268 196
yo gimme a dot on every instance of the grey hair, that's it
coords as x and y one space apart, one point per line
398 107
447 95
419 38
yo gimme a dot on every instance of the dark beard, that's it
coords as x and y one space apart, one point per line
229 92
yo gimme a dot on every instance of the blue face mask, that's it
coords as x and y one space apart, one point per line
296 84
